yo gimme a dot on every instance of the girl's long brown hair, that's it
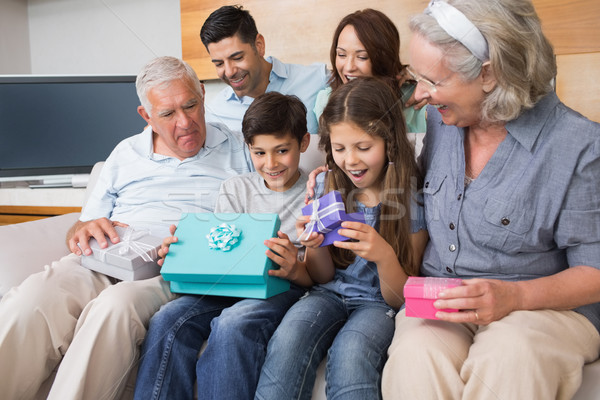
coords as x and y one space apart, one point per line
371 105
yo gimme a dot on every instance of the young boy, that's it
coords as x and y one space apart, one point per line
237 330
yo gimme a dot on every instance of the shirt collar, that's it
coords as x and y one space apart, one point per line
214 137
527 127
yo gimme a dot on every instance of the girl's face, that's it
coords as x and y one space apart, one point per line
360 155
458 102
352 60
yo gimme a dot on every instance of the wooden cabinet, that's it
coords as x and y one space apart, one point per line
16 214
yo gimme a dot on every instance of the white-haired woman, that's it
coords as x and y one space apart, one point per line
512 204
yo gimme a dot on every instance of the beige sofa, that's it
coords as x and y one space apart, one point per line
27 247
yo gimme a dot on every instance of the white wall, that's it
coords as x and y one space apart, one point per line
14 37
101 36
83 37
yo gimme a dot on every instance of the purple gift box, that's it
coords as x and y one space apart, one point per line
327 214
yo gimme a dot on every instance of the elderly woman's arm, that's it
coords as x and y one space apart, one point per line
491 300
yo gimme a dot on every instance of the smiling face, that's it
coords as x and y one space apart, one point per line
360 155
177 119
458 102
352 59
276 159
240 65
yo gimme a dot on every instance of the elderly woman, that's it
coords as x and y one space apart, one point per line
512 203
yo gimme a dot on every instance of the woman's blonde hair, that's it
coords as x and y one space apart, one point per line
521 57
370 104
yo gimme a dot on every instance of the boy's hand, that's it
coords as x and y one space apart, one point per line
164 247
313 240
283 252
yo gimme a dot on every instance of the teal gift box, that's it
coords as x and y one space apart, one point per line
224 264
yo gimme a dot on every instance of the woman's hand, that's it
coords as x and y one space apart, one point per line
312 182
480 301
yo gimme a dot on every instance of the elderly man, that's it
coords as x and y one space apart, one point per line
237 50
84 318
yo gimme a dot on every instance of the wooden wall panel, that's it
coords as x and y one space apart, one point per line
572 26
295 31
577 83
300 31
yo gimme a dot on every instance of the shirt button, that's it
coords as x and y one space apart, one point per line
449 270
452 247
427 184
505 221
459 196
451 226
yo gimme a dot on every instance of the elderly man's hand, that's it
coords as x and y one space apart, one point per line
98 229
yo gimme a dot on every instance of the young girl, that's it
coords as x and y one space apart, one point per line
367 43
372 166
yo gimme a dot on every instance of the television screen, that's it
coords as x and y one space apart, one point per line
53 125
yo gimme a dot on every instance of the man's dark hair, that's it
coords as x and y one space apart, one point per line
273 113
226 22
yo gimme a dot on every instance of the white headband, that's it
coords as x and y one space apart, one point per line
457 25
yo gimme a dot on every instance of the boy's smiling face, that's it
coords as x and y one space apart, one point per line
276 157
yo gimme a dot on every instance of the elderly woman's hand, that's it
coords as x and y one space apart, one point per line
479 301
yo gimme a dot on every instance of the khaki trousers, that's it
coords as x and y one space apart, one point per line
526 355
70 315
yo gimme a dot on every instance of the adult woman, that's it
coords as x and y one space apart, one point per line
367 43
512 201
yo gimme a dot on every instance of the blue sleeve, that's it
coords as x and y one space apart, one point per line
417 213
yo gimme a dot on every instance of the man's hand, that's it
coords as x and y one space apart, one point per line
98 229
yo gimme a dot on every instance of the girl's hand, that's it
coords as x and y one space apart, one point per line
283 252
480 301
312 182
164 247
314 240
369 245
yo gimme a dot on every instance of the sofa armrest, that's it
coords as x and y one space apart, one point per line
26 247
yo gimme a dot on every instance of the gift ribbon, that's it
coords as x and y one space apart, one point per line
129 243
432 286
223 237
316 215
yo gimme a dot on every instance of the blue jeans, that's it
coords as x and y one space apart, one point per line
237 331
356 332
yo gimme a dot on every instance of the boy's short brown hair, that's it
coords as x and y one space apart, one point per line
273 113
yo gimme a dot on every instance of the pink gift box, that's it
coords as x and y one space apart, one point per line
421 292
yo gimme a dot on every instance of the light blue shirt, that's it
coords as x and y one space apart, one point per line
150 191
303 81
361 279
533 211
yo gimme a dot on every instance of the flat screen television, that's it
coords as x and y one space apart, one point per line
53 128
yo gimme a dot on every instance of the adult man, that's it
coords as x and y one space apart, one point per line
68 312
237 50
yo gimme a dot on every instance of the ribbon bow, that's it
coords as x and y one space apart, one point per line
223 237
129 243
316 215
